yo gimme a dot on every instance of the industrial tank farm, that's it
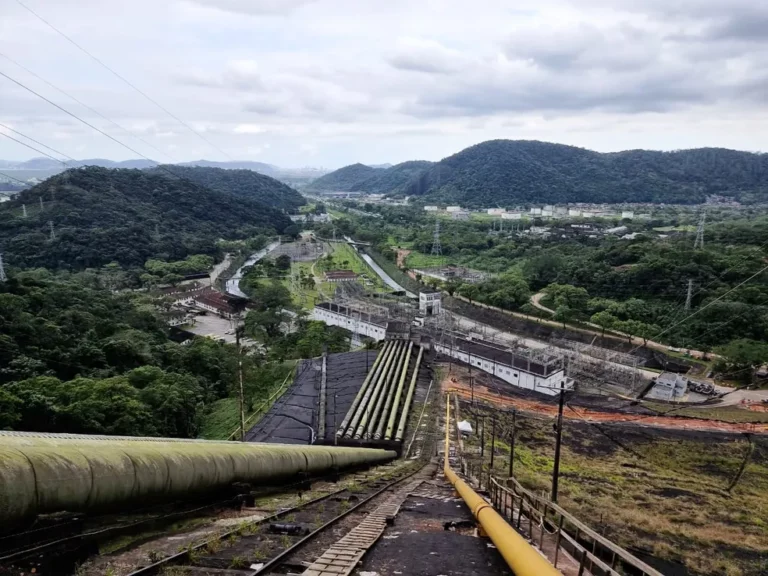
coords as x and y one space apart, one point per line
48 473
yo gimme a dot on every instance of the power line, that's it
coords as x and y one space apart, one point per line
12 178
123 79
676 324
89 108
52 103
36 142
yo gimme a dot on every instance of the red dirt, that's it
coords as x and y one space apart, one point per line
457 383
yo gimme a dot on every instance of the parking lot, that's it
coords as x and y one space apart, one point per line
220 329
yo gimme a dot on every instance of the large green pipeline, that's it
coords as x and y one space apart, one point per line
45 473
365 428
361 408
364 410
408 397
395 389
396 403
356 402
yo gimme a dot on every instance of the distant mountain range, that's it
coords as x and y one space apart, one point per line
513 172
49 167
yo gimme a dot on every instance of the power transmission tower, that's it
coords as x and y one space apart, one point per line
24 210
41 203
436 248
3 277
690 295
50 226
699 242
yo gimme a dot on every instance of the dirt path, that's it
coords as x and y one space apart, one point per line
401 256
457 382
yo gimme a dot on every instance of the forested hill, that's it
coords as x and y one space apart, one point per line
245 183
102 215
343 179
392 179
509 172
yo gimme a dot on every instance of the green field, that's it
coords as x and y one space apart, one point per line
420 260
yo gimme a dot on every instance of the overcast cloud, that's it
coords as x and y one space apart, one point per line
332 82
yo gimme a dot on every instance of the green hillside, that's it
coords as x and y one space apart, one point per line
509 172
102 215
392 179
245 183
343 179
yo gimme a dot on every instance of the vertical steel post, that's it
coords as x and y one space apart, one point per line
558 441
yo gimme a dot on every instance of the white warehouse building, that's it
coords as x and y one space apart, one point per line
355 321
540 374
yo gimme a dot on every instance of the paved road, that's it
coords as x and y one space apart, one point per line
233 284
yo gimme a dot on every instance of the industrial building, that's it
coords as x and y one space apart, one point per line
524 368
430 303
668 386
445 273
351 319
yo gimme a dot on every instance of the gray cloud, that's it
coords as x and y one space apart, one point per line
254 7
416 55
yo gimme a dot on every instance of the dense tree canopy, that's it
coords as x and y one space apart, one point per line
244 183
510 172
124 216
76 358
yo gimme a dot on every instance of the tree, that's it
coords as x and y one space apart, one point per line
743 354
283 262
563 314
574 297
604 319
469 291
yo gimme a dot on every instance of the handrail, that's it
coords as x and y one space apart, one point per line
581 528
256 412
520 556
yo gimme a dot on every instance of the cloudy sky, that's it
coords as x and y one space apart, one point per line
331 82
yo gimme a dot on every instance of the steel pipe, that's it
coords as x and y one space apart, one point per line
48 473
408 399
522 558
398 395
359 396
365 409
389 385
362 407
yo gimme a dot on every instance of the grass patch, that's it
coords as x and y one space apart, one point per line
224 415
421 260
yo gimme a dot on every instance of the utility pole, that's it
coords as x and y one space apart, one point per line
558 440
437 250
241 393
50 227
699 242
512 445
690 294
3 277
24 210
